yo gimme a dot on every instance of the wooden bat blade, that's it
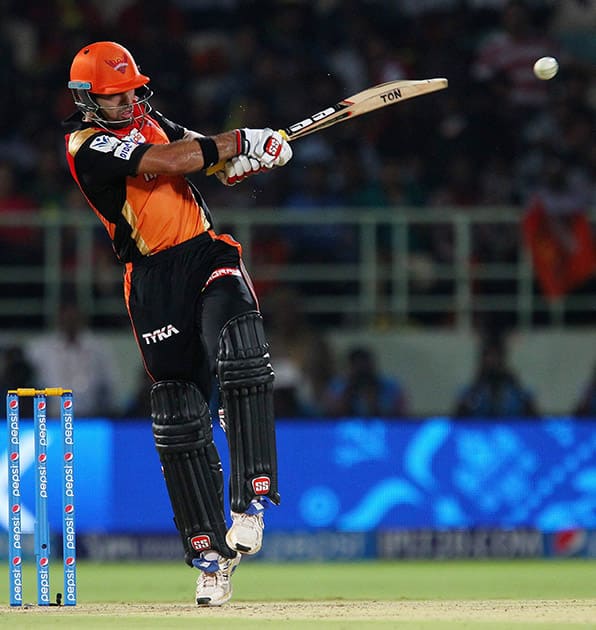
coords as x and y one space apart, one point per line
363 102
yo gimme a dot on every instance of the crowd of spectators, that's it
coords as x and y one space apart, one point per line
312 380
216 65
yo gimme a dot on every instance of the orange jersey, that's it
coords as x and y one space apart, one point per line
143 214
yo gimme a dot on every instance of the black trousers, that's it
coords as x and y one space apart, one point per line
180 299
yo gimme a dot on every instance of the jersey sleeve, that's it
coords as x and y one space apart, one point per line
103 157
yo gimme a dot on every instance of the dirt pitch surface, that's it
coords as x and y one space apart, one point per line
574 611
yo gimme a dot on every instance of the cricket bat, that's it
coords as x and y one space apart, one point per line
363 102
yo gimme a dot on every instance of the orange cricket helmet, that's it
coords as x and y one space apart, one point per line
105 68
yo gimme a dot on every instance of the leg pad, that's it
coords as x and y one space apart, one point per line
246 383
191 466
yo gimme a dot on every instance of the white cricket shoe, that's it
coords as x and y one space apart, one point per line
246 533
214 585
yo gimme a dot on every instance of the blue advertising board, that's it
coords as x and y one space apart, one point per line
358 475
349 475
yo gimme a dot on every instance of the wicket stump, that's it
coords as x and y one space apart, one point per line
41 530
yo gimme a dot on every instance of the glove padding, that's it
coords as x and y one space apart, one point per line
266 145
238 168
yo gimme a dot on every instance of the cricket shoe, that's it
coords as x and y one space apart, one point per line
246 533
214 585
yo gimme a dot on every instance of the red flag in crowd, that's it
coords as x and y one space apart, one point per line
561 264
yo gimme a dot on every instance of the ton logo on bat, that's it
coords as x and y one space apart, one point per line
394 95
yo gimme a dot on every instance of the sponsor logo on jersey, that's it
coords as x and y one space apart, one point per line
135 136
104 144
165 332
124 150
221 273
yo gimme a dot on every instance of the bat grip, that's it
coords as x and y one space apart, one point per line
220 165
215 168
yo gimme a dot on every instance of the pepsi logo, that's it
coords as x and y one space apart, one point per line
41 405
69 509
67 404
16 508
16 561
69 562
43 562
14 457
68 457
569 542
13 404
42 458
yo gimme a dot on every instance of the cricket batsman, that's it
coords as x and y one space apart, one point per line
193 310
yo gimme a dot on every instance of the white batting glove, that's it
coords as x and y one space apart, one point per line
266 145
238 168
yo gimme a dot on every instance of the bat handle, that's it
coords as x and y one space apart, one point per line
216 168
220 165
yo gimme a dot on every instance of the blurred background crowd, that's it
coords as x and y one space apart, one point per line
218 65
496 137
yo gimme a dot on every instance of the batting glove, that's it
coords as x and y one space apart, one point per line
239 168
266 145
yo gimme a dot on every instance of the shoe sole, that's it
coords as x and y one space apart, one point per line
243 549
205 602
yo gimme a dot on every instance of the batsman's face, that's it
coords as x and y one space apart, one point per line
117 107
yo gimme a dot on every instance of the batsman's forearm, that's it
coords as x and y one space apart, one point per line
185 156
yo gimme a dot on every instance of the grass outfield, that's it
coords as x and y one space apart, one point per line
450 594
